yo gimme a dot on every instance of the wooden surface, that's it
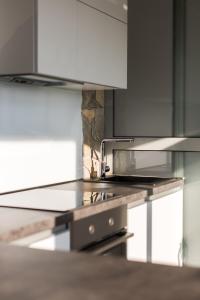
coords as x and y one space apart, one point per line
18 223
31 274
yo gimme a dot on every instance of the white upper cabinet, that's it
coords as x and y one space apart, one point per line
16 36
57 38
66 39
115 8
102 48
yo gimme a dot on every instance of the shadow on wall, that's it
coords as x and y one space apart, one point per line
40 136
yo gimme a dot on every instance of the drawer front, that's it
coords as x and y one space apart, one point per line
115 8
92 229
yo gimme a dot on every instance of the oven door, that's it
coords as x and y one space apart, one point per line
115 245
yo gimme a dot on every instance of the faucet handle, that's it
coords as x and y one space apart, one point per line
104 169
107 169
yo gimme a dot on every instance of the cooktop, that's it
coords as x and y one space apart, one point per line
53 200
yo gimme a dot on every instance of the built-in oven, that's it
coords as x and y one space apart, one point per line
115 245
102 234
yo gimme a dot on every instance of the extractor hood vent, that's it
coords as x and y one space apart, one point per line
41 80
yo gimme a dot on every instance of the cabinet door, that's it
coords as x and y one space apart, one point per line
137 224
167 229
56 242
57 38
115 8
46 240
16 36
158 230
148 100
102 48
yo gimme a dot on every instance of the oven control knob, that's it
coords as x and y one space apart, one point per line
111 222
91 229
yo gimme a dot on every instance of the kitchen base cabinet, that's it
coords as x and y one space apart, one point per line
137 224
167 229
47 240
60 242
158 230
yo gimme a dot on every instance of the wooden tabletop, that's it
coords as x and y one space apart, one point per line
32 274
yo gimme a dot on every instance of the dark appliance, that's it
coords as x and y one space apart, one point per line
102 234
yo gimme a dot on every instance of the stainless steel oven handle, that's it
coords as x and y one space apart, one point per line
108 244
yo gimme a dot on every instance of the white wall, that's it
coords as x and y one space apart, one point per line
40 136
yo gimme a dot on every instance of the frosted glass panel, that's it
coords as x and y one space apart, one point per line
147 163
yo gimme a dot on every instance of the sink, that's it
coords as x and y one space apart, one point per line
140 180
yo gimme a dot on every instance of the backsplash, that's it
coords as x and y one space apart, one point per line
40 136
143 163
93 131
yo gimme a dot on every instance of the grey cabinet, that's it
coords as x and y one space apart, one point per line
16 36
69 39
192 87
102 48
57 38
145 109
115 8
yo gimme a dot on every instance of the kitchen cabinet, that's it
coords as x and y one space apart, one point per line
115 8
192 69
68 40
167 229
57 38
102 48
137 224
158 230
47 240
148 100
58 242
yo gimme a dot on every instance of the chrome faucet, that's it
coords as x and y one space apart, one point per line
103 166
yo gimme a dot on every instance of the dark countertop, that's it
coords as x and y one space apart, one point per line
27 274
162 186
18 223
125 196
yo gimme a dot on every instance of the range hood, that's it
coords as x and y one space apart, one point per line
51 81
42 80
